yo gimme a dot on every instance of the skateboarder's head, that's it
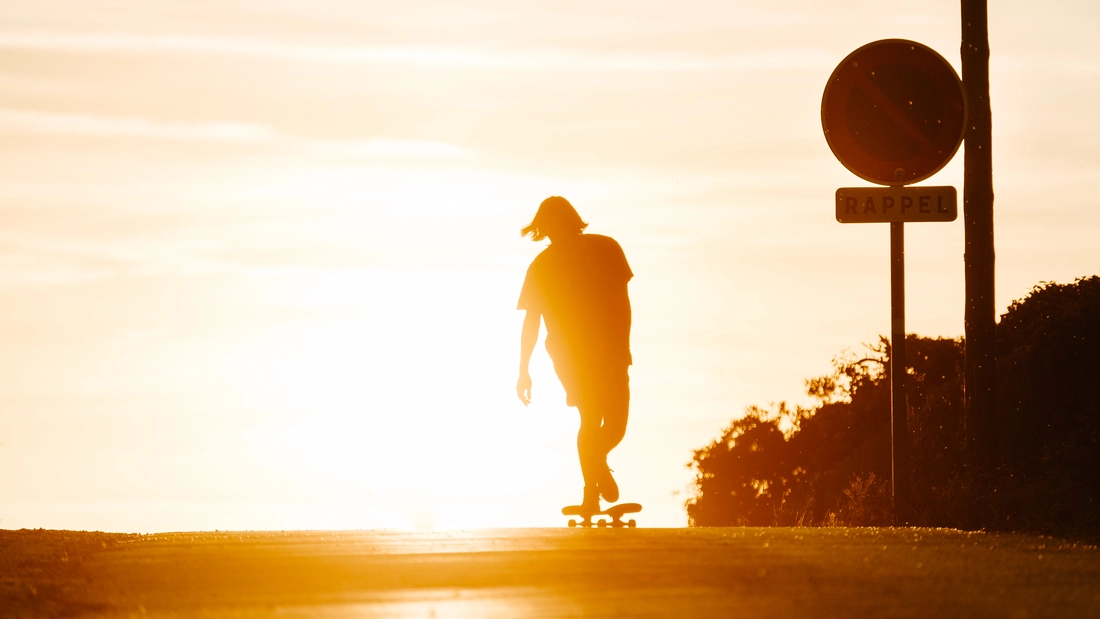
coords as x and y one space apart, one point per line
555 217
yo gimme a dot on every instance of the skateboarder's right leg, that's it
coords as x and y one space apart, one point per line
604 411
591 447
613 400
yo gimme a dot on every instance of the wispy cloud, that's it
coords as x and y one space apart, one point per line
32 121
427 56
403 148
1047 63
46 261
20 121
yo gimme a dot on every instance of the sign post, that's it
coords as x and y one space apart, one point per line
894 113
899 409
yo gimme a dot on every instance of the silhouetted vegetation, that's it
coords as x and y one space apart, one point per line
830 464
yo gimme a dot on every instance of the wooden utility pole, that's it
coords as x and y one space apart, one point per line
980 317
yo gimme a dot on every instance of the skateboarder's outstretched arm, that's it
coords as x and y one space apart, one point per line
529 336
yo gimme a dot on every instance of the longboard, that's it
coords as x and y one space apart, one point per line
615 512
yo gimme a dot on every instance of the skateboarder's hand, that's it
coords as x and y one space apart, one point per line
523 388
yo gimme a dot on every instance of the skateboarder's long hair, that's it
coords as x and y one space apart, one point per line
555 214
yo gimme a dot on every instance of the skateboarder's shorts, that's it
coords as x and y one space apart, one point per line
603 385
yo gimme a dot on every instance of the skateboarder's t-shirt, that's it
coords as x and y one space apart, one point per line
580 288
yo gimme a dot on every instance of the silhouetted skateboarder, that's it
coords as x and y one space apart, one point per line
578 285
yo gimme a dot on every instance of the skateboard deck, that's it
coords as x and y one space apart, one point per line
615 512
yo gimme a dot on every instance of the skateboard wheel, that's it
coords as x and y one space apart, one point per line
602 524
572 523
631 523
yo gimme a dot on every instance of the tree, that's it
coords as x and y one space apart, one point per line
747 475
825 464
818 465
1048 415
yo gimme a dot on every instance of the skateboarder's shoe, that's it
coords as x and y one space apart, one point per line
609 490
591 499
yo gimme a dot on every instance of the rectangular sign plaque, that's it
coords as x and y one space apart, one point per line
861 205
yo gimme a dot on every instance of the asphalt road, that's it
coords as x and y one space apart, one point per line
733 572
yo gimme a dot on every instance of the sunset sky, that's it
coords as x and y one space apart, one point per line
259 261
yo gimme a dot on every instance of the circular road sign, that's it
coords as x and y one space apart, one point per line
894 112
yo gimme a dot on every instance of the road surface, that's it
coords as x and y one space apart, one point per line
722 572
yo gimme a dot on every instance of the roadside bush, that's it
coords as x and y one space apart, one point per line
866 502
